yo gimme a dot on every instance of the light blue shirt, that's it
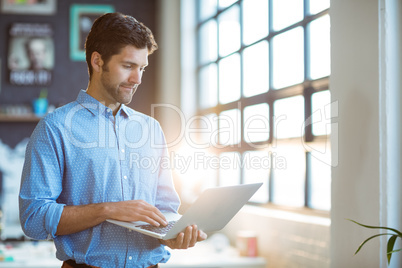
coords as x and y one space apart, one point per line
81 154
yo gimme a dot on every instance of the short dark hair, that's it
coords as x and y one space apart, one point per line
113 31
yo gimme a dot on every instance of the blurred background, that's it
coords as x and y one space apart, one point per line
301 95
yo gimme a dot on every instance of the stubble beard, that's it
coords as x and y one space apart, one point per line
116 92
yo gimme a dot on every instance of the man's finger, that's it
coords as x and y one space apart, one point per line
179 241
153 215
159 217
160 214
194 236
187 237
201 236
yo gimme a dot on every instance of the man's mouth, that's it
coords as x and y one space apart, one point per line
128 87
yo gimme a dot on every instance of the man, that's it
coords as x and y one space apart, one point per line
77 171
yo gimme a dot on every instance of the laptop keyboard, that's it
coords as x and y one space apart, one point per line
159 230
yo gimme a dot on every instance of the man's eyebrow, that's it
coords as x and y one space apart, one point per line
134 63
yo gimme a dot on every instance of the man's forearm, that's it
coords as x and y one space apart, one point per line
78 218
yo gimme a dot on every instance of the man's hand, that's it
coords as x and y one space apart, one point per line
187 239
137 210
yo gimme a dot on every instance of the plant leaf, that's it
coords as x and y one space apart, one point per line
377 227
396 250
390 247
371 237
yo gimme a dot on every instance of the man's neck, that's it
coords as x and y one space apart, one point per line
91 91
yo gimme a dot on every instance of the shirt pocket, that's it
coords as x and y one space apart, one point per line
144 166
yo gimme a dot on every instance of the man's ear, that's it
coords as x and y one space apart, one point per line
96 61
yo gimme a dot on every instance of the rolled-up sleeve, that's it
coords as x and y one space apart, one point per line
41 183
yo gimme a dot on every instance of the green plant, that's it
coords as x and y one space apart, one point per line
391 240
43 93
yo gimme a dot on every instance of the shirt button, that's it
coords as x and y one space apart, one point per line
130 258
125 177
122 150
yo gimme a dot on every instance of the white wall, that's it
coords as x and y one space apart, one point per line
366 85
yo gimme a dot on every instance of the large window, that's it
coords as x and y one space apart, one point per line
262 70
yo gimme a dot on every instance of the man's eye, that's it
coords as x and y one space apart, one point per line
127 66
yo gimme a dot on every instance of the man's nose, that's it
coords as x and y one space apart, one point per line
135 77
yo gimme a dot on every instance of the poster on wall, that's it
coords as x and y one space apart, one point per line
81 19
37 7
30 54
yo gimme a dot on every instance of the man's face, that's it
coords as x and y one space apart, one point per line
122 75
37 53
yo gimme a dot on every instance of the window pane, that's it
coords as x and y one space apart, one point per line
255 20
286 13
289 117
318 6
229 79
288 58
207 130
289 168
256 168
208 86
256 123
320 179
320 47
226 3
208 42
209 173
207 9
321 113
200 173
255 69
229 127
229 169
229 31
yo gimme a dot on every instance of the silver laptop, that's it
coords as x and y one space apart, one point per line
210 212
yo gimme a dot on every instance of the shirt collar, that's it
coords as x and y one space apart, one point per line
94 106
125 110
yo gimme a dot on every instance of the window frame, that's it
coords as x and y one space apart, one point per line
306 89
